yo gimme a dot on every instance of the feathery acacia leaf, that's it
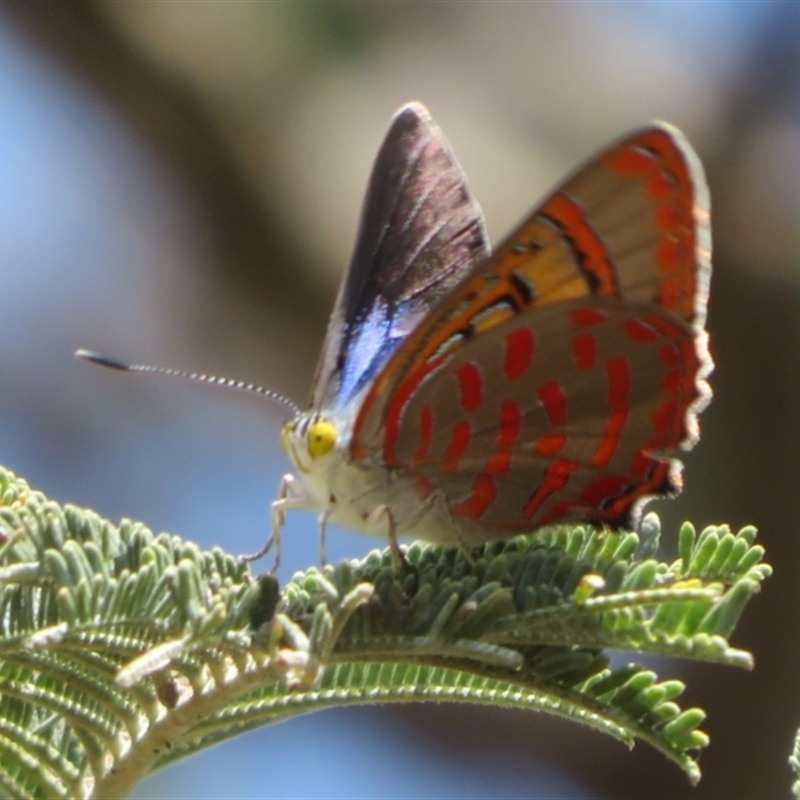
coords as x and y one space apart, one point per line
122 651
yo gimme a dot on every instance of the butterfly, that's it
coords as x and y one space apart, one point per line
464 396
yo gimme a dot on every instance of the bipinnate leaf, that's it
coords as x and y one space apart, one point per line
122 651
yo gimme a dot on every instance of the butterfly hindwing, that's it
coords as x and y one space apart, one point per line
547 384
420 233
530 409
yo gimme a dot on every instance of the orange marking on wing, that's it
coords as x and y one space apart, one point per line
668 217
484 491
669 159
459 441
657 185
488 320
668 255
593 257
682 225
659 162
671 295
629 162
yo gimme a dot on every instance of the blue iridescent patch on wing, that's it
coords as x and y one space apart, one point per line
371 343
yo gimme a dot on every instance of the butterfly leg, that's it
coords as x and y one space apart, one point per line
437 500
290 495
398 559
322 521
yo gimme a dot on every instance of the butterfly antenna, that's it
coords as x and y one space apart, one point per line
113 363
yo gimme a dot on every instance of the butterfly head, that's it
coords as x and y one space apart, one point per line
309 440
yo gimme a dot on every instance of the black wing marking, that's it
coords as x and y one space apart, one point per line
420 233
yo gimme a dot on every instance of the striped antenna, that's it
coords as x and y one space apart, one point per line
229 383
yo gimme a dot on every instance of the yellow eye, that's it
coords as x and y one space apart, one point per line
321 438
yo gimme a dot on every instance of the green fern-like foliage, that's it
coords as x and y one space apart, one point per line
123 651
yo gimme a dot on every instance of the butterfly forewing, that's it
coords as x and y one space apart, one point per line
420 233
546 386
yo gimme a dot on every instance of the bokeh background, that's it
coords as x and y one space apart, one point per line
180 183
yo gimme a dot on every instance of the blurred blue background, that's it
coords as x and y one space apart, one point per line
180 184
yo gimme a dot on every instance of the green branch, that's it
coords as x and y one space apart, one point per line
122 651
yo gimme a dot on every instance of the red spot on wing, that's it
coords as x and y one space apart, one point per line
690 358
667 329
678 383
638 331
550 444
641 463
672 293
556 477
484 491
459 441
586 317
603 489
664 417
510 423
671 383
619 385
657 478
669 354
584 350
630 162
395 410
498 463
470 385
425 435
608 443
668 217
618 373
669 255
658 186
519 352
657 160
554 401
